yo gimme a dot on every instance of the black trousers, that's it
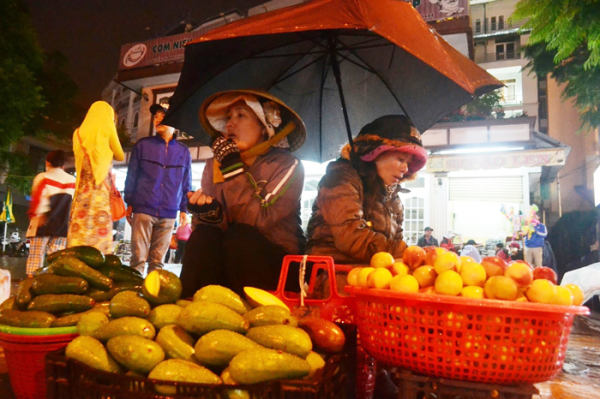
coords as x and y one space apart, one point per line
180 250
235 258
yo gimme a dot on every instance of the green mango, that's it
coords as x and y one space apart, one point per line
269 315
181 371
259 365
218 347
90 351
176 343
164 315
90 322
128 303
284 338
124 326
221 295
203 317
135 353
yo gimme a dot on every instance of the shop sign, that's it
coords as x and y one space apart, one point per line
513 159
435 10
156 51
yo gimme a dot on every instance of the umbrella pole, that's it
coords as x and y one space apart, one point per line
338 80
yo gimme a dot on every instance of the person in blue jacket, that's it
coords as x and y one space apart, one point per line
158 179
534 242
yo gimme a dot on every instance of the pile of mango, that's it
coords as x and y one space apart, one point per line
76 281
146 330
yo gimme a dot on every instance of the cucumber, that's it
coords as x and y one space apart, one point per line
61 303
10 303
18 318
120 273
71 266
24 294
114 260
90 255
52 284
102 296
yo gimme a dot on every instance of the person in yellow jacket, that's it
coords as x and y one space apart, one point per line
95 144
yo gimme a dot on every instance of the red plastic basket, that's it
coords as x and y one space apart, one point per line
467 339
336 308
25 358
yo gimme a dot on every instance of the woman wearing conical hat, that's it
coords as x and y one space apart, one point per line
247 213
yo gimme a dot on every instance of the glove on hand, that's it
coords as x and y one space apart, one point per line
227 153
208 213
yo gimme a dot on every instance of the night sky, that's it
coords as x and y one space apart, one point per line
90 32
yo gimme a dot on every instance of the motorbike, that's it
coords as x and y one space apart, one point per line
13 246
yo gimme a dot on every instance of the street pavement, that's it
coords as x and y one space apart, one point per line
16 267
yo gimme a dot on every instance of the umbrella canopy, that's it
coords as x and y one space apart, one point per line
338 63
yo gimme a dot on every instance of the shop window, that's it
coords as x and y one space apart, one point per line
478 26
500 22
136 118
414 219
493 23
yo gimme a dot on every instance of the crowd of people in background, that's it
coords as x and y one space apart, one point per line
537 251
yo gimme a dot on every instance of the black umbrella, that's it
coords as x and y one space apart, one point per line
338 63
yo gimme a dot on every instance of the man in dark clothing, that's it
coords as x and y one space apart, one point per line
427 239
158 180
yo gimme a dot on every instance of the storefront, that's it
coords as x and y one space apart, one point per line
478 174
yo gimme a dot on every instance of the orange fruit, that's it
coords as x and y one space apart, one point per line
447 261
472 292
413 256
577 294
448 283
363 275
379 278
541 291
473 273
382 259
563 296
425 275
404 284
501 287
353 276
399 268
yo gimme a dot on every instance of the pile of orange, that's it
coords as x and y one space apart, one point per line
435 270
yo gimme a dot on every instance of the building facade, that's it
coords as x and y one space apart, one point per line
479 170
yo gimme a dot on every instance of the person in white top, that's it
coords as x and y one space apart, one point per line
51 197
